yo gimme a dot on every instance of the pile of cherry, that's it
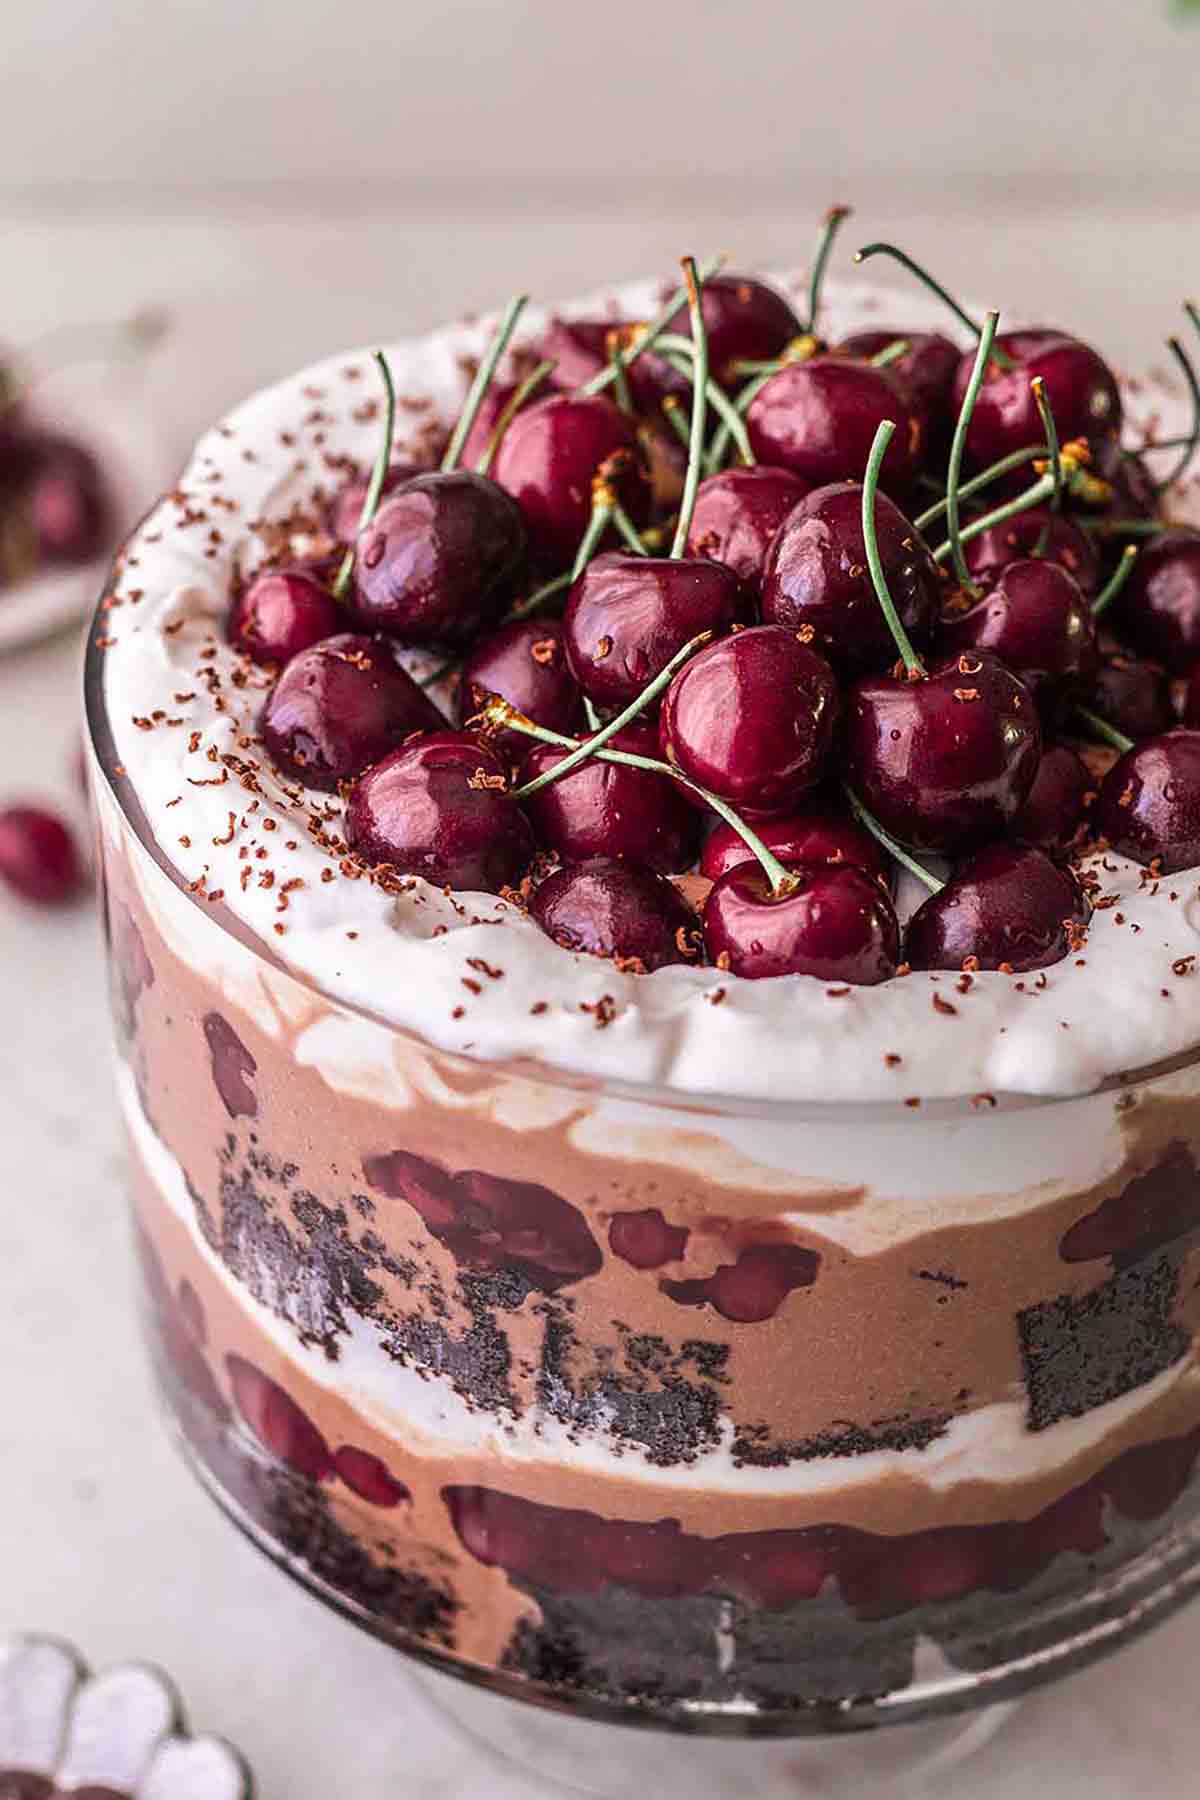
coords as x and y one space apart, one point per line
694 585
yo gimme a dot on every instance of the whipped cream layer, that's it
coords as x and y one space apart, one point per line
469 972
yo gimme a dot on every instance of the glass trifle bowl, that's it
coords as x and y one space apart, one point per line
741 1360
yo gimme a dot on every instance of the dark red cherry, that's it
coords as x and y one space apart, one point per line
1148 807
368 1476
608 809
278 1422
1159 607
1038 532
341 705
524 664
483 425
67 502
38 857
816 578
738 511
1036 619
1191 699
610 908
1134 494
1008 904
440 561
645 1239
837 925
346 508
549 458
579 348
1133 696
234 1067
439 807
1054 805
945 762
819 830
1080 387
819 419
750 1290
752 717
744 321
927 367
282 612
627 616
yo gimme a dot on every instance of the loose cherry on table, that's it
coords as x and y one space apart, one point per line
39 860
1041 532
1007 906
817 579
549 458
1054 806
611 809
341 705
1159 611
819 418
818 831
524 664
835 923
1133 696
439 807
738 511
1037 620
607 907
280 613
1148 807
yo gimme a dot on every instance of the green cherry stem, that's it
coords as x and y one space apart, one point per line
723 436
645 340
1193 385
530 604
1107 528
483 380
889 354
987 338
695 461
438 674
673 412
1014 460
383 457
935 287
620 372
628 530
1046 415
512 406
1032 496
604 503
680 353
1116 580
871 824
1102 729
883 438
832 223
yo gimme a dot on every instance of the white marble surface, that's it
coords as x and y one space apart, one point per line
103 1537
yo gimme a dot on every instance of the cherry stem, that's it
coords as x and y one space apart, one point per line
833 221
530 604
628 530
647 338
1014 460
604 501
723 435
987 338
482 381
890 353
680 353
695 461
512 406
620 373
870 487
1046 415
674 416
1103 729
871 824
383 457
1106 528
1116 580
1032 496
935 287
1189 374
617 723
438 674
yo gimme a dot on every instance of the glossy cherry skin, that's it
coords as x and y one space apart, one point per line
627 616
339 706
738 511
524 664
1037 620
282 612
1149 802
345 510
816 579
439 807
441 560
549 459
1134 696
579 348
1134 494
944 763
744 321
1080 387
67 501
837 925
607 907
608 809
1038 532
752 717
927 368
1008 906
817 831
1054 806
819 419
483 425
1159 607
38 857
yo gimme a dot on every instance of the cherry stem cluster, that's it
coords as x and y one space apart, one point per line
647 338
524 391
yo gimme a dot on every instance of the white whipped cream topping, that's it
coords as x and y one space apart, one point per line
469 973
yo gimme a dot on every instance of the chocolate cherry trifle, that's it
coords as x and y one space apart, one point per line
651 874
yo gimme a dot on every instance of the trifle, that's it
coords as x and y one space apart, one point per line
650 868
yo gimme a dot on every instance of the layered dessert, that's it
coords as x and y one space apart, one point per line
707 1233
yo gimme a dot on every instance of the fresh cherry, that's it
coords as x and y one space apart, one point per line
1133 491
1054 805
1133 696
1036 619
1007 906
816 578
1191 699
745 320
345 512
927 367
1080 387
609 809
819 419
441 560
67 501
818 831
1159 610
627 616
580 349
282 612
737 513
606 907
1148 807
752 718
524 664
439 807
550 457
339 706
836 924
1036 532
38 857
